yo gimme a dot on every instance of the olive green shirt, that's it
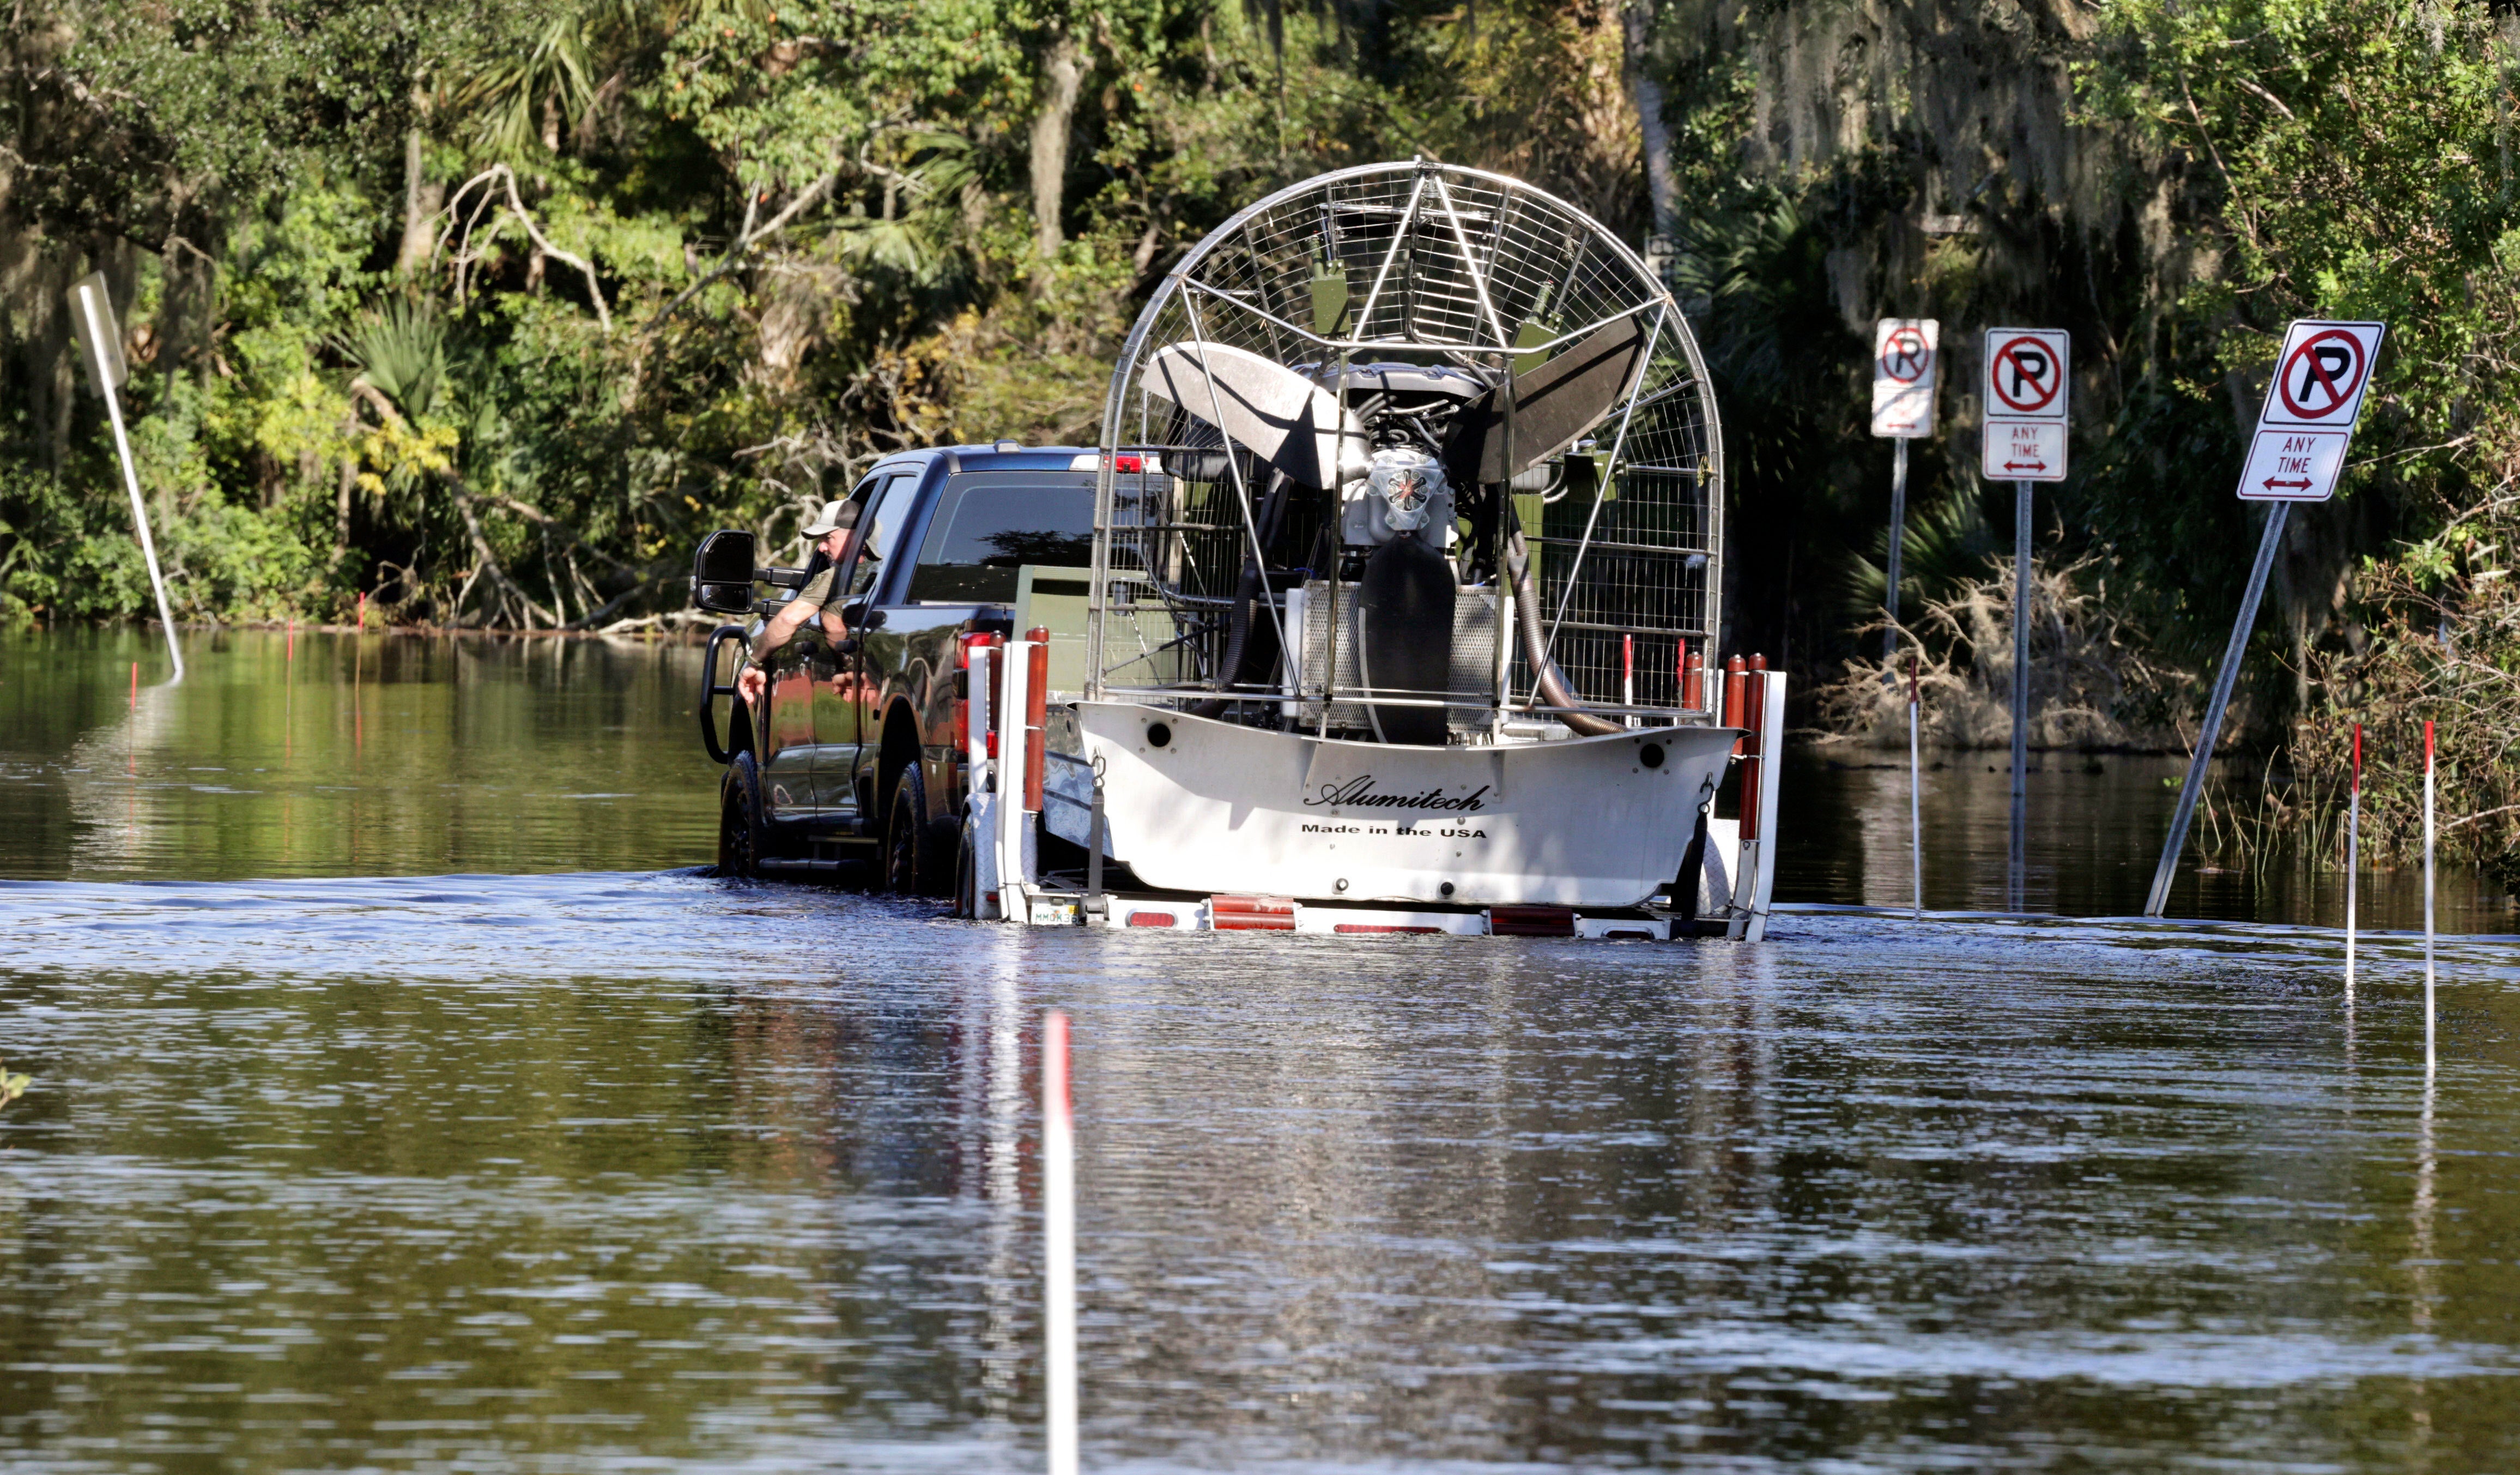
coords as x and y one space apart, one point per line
816 591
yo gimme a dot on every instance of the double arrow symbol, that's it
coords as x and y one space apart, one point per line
2042 466
2301 486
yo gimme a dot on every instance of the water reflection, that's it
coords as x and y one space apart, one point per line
2093 833
553 1172
300 755
587 1172
318 755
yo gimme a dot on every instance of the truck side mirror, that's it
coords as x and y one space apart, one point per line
722 573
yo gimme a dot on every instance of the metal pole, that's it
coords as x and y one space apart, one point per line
2352 858
2018 849
2428 901
1059 1248
1898 534
1096 904
131 484
1915 810
2211 732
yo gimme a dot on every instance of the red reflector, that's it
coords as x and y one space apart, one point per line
1152 918
1532 921
1244 921
1251 914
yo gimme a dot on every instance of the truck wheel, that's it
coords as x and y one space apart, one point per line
741 837
912 865
966 879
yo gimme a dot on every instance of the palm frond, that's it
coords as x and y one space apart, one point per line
400 348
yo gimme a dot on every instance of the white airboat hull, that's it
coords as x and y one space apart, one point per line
1570 822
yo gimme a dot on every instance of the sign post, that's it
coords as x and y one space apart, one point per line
2024 405
100 355
2296 455
1907 365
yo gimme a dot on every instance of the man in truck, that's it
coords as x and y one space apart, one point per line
832 534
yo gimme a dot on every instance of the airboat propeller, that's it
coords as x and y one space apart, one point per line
1551 407
1283 419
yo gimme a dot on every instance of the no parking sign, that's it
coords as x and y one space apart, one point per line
2311 406
1907 354
2025 403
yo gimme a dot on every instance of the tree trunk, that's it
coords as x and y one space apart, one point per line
1662 186
421 199
341 505
1060 78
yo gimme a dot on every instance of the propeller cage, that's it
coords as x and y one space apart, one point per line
1420 356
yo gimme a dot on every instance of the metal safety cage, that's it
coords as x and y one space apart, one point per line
1427 268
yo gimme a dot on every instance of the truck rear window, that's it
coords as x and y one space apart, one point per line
989 523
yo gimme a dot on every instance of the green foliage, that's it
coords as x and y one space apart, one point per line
698 263
399 347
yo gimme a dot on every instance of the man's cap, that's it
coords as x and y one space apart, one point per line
836 516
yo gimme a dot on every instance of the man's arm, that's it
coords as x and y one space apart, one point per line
782 627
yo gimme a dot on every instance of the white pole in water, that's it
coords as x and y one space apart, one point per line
2353 858
1915 810
2428 898
95 313
1058 1246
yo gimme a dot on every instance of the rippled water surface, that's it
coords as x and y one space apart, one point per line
622 1168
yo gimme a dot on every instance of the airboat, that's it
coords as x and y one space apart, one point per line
1403 598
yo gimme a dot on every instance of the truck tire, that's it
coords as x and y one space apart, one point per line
913 862
743 839
966 876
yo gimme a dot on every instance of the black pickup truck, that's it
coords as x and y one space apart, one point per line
855 757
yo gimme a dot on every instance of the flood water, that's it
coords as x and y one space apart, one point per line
404 1098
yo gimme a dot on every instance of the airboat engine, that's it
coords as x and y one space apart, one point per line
1407 553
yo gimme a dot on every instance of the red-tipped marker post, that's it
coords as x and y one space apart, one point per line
2428 898
1628 677
1058 1246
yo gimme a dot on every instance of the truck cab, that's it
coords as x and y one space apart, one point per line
854 757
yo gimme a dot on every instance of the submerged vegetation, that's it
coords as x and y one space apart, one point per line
484 314
2093 682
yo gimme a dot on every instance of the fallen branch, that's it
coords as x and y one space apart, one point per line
744 240
501 174
486 561
489 561
575 539
592 618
